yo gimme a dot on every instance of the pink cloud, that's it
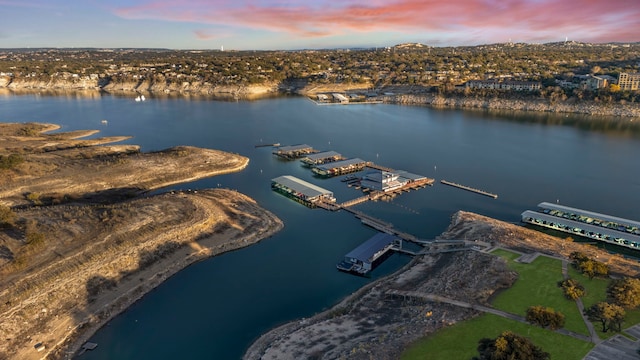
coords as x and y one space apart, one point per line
592 20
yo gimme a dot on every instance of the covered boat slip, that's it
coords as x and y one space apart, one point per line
340 167
363 259
589 217
321 158
579 228
294 151
301 190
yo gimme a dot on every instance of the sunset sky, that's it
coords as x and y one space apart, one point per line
311 24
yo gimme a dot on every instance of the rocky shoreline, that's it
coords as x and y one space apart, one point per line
391 95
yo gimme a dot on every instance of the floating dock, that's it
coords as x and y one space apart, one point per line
340 167
321 158
587 224
306 193
368 255
268 145
477 191
294 151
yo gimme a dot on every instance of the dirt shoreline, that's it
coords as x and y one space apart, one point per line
81 244
383 318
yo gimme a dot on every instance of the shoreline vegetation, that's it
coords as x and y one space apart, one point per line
558 77
79 244
402 95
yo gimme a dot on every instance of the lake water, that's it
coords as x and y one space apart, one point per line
216 308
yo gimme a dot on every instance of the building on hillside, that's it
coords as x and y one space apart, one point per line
629 81
504 85
341 98
593 82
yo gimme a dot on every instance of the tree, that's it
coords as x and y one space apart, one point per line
7 216
545 317
587 266
572 289
625 292
509 346
611 316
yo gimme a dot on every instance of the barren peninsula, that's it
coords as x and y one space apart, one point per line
79 243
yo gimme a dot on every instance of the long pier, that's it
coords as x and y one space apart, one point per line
477 191
267 145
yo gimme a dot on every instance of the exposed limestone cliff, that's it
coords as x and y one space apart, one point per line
540 105
158 85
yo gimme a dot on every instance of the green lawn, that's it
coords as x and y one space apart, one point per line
461 340
596 291
506 254
596 288
537 284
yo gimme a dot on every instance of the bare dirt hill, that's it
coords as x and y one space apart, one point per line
79 245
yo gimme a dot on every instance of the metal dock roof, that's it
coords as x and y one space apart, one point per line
409 176
322 155
581 225
369 248
294 148
301 186
339 164
594 215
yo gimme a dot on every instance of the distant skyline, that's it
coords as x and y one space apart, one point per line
311 24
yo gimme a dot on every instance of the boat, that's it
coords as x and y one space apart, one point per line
104 121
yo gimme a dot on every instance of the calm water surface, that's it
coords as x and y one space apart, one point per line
216 308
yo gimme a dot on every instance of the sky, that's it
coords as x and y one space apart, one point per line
311 24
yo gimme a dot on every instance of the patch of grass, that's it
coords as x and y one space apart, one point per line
537 284
596 291
596 288
461 340
506 254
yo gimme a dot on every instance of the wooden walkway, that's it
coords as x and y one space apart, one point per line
463 187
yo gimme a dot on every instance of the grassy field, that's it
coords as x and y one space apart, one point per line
537 284
596 291
461 340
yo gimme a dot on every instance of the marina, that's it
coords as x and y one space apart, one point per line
586 224
477 191
227 310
